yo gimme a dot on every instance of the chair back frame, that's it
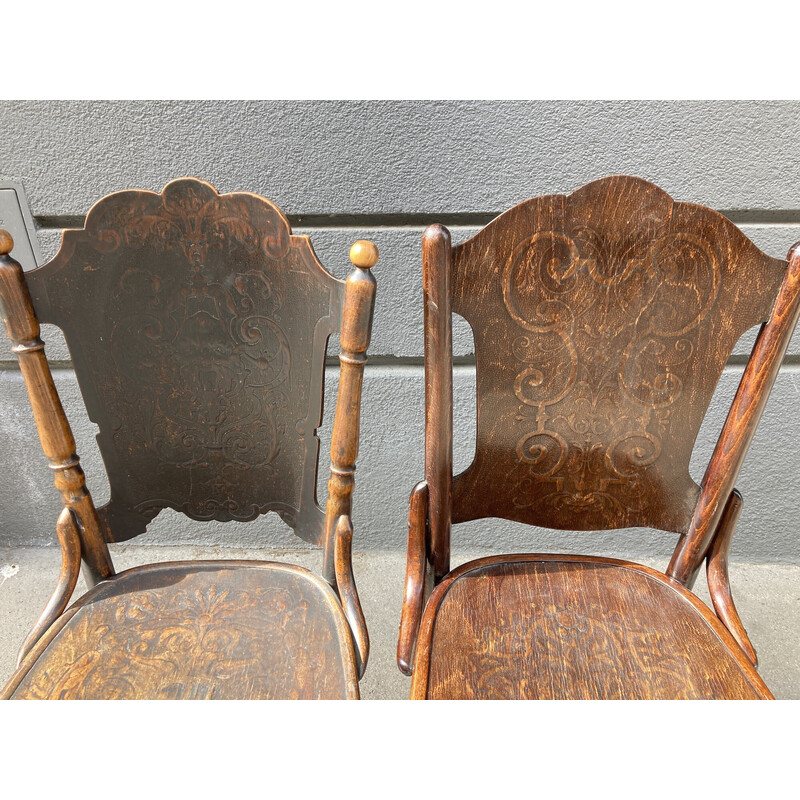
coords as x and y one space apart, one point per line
209 280
764 291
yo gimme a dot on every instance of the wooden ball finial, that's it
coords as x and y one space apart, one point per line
364 254
6 243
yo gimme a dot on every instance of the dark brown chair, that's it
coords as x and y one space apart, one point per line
198 328
602 322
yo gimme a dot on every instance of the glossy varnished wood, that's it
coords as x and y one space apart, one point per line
602 321
573 627
206 630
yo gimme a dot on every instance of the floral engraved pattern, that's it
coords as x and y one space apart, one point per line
623 373
199 360
216 414
611 634
201 639
602 322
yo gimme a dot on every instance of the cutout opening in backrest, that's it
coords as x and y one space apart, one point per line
465 398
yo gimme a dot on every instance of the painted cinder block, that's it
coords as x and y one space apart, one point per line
391 462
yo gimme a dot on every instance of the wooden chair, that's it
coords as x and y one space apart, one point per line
198 328
602 322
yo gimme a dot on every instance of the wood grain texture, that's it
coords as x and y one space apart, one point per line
740 425
210 630
419 576
602 322
348 593
573 627
198 328
436 281
719 586
69 539
55 435
356 329
202 362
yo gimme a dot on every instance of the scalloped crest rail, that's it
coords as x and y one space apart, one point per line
202 360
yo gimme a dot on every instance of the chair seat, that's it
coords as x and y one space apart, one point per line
196 630
569 627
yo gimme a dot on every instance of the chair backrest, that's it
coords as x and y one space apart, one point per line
198 328
602 322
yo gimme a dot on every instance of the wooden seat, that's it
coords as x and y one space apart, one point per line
198 328
539 627
602 322
221 630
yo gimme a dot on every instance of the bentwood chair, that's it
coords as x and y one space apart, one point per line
198 328
602 322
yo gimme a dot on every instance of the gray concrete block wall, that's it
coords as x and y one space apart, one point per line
382 170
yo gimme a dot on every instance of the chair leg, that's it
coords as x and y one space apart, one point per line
67 530
348 594
717 575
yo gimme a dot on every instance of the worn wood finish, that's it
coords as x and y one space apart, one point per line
436 271
572 627
602 322
198 328
359 305
419 576
55 434
740 424
202 363
348 593
69 539
206 630
719 586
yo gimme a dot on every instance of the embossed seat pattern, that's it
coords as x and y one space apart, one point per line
198 631
555 630
198 328
602 322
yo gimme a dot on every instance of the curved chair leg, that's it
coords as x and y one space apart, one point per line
419 577
68 535
346 585
717 574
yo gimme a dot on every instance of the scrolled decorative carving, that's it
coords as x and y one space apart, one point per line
606 326
205 638
550 629
199 364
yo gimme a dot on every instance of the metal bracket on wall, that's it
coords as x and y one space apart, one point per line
16 218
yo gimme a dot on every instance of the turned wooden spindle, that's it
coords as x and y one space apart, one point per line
359 300
56 437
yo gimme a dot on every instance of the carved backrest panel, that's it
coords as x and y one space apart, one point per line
197 326
602 323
